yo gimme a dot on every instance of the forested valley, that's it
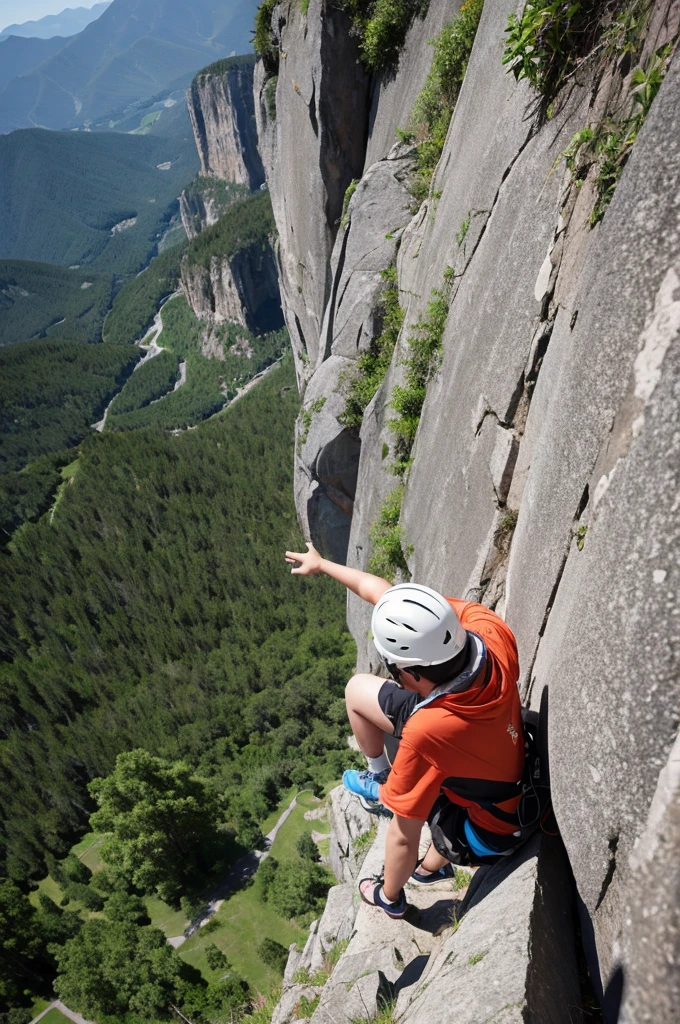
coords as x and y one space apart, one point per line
167 688
151 610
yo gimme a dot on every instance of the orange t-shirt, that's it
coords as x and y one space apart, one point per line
468 739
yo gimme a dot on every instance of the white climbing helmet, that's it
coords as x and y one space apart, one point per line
414 625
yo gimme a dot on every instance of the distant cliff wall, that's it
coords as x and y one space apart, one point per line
222 111
242 290
543 477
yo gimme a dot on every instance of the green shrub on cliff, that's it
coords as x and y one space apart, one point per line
387 540
548 41
382 26
373 365
431 115
263 42
408 399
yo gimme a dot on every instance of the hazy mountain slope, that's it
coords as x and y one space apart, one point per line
37 299
18 55
67 23
63 193
136 49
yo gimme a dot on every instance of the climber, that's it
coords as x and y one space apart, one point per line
454 708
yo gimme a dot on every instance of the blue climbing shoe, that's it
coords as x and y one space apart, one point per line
370 890
432 876
365 785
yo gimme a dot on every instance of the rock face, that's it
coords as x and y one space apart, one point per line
198 211
544 479
510 957
312 149
221 107
243 290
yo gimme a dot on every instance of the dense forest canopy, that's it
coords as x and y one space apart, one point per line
153 610
245 223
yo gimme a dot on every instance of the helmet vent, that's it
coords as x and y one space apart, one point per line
447 637
406 626
424 606
404 648
392 639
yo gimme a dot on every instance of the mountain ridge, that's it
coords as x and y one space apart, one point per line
68 22
134 50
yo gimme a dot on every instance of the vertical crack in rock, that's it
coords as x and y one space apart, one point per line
611 869
329 316
312 111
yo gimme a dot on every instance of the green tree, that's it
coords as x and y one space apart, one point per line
121 906
158 813
218 1003
217 961
250 834
273 954
112 968
85 894
306 847
20 945
298 887
266 873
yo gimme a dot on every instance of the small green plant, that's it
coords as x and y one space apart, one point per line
385 1014
608 145
304 6
461 879
373 365
509 521
550 39
431 115
306 1007
320 978
580 535
365 840
477 957
386 536
270 96
385 451
546 41
349 192
335 953
301 976
464 228
306 419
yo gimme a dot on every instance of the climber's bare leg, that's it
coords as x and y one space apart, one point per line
366 718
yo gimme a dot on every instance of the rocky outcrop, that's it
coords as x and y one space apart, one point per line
544 476
327 453
198 210
221 107
499 949
311 123
241 290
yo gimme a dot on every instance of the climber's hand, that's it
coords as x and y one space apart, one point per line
309 561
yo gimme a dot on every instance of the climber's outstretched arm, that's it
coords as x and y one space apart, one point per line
309 563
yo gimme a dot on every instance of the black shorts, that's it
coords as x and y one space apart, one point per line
397 705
